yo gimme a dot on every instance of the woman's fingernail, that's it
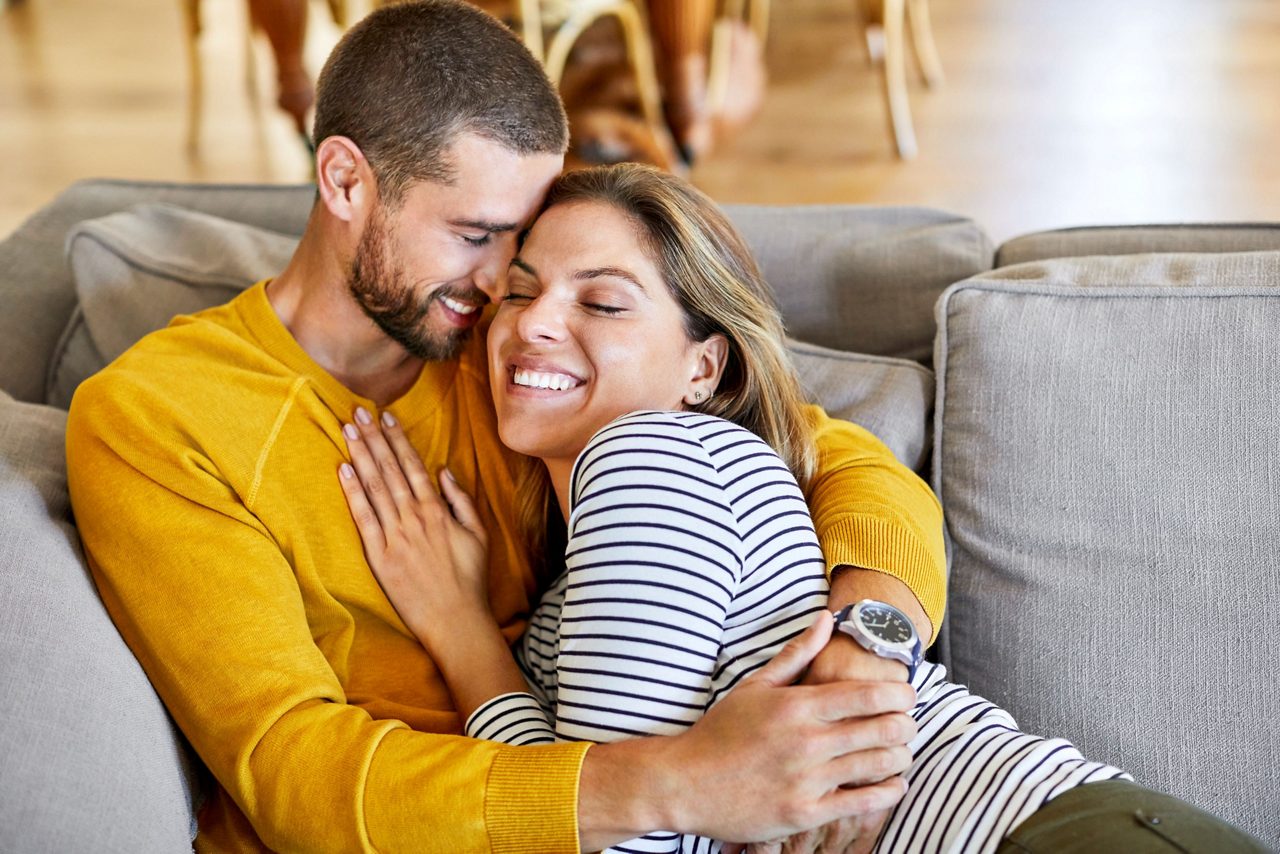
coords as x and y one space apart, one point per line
362 415
449 475
388 419
351 432
347 471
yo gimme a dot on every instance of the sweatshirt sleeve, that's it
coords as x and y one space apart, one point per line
203 595
872 512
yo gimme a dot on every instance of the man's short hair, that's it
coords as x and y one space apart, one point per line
404 82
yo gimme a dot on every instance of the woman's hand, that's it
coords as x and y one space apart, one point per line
429 553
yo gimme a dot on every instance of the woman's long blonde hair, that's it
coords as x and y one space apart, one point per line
711 273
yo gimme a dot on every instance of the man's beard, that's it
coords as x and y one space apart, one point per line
386 297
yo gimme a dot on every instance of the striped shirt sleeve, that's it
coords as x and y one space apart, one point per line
975 776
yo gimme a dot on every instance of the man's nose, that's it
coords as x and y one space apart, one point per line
491 276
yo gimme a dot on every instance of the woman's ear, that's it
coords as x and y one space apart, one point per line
710 357
344 179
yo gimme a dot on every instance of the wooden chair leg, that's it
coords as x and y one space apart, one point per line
895 78
925 50
635 30
758 15
557 50
531 26
195 70
718 64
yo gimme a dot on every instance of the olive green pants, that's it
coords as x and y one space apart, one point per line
1122 816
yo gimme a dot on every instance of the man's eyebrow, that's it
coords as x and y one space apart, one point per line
612 272
483 225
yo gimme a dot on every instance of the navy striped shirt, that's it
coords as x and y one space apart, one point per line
691 561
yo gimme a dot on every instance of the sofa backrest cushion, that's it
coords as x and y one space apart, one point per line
1107 457
36 292
863 278
136 269
851 278
89 760
1134 239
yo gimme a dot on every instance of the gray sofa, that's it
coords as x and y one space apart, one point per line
1102 431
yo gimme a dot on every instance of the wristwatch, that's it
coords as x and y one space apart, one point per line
883 630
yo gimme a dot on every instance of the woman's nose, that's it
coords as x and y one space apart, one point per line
541 320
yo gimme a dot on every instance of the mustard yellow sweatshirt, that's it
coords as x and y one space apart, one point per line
202 467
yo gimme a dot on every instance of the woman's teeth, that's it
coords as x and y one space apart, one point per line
534 379
459 307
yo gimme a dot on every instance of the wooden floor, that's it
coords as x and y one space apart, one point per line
1054 113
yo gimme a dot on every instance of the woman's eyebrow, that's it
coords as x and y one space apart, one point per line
612 272
517 261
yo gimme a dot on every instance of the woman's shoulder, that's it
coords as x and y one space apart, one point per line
694 440
709 431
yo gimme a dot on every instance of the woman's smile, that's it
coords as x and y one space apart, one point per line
587 331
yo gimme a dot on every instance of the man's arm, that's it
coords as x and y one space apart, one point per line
875 517
766 762
881 532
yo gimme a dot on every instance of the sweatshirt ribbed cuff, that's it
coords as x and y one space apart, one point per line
531 802
869 543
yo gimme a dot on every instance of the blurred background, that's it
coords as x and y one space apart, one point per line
1042 113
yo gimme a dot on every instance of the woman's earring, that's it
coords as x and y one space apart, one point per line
697 395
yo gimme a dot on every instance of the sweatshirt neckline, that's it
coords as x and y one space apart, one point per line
423 397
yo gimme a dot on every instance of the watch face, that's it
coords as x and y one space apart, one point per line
886 624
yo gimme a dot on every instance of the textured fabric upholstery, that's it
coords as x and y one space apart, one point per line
89 760
884 266
136 269
1109 461
1133 239
35 281
893 398
863 279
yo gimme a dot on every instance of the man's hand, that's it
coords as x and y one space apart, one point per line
843 659
772 759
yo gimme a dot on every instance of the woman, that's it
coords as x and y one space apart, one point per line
638 357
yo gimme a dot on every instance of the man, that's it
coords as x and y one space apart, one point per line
201 466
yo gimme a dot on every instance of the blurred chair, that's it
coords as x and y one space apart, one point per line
551 27
286 31
886 21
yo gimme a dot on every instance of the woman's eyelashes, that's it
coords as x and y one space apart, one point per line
521 293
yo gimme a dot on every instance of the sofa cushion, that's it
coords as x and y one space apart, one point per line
136 269
1108 457
89 760
1133 239
35 282
863 278
893 398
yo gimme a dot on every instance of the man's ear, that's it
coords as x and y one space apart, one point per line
344 179
710 357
